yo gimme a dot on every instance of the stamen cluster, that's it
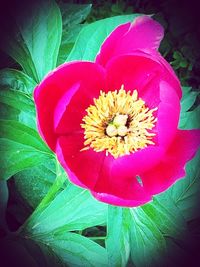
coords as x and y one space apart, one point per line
119 123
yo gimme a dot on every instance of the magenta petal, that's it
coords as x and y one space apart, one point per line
52 95
99 173
75 110
137 70
134 72
169 75
63 103
82 166
144 33
168 114
140 161
117 201
172 165
118 187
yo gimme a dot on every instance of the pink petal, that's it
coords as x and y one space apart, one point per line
148 77
172 165
135 72
169 75
51 95
118 187
117 201
144 33
168 114
140 161
108 180
141 72
75 110
138 69
62 103
82 166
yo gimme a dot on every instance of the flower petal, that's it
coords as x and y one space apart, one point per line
99 174
134 72
82 166
168 75
148 77
117 201
118 187
57 90
138 69
144 33
167 115
140 161
75 110
172 165
62 103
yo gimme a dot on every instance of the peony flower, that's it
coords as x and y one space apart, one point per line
113 123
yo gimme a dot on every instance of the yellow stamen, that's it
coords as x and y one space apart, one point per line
119 123
122 130
111 130
120 120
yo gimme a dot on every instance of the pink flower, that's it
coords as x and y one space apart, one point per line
115 119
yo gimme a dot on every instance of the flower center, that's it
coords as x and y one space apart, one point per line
119 123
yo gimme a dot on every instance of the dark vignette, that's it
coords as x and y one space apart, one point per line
181 47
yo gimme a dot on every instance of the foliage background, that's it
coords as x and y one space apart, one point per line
171 222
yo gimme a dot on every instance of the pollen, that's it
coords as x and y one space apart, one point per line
119 123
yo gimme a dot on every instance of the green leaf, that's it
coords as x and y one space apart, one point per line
16 102
33 184
72 16
92 36
69 211
68 39
53 191
14 45
3 203
73 206
76 250
183 63
34 187
166 216
117 241
21 148
17 157
17 81
147 242
186 192
36 44
188 99
19 133
15 105
190 119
